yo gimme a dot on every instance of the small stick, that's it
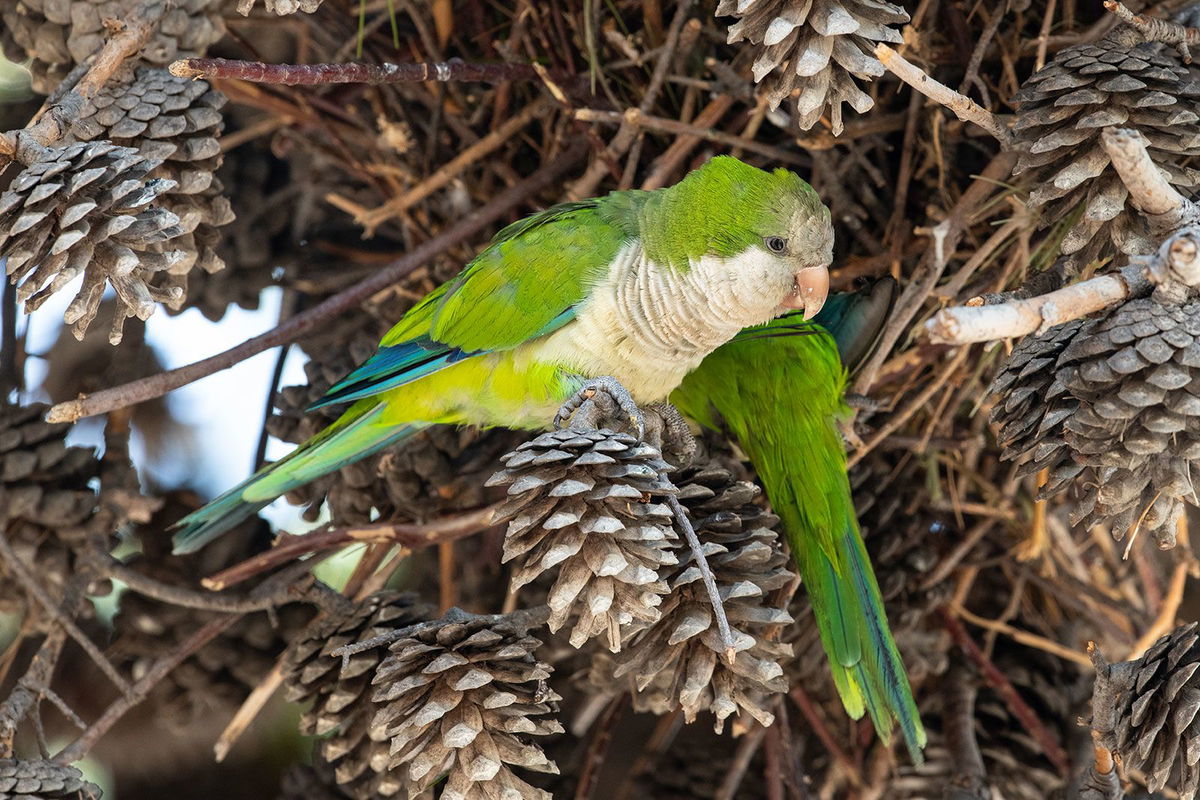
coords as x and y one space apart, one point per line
323 74
966 324
749 745
157 385
141 689
248 711
706 575
1023 637
1012 698
817 723
598 747
963 107
407 535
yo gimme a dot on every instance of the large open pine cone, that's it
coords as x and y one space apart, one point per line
176 121
678 662
813 50
340 692
1106 404
90 209
1145 710
43 780
578 503
58 35
1061 111
462 697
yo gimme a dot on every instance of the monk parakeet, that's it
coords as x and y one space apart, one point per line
778 389
636 286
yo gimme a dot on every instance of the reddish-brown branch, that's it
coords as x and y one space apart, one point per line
321 74
411 536
157 385
1012 698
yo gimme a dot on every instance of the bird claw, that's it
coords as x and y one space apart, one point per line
599 399
667 430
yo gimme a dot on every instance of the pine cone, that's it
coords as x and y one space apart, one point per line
280 7
1104 404
340 691
43 780
48 506
1061 111
58 35
176 121
461 697
1145 710
577 501
677 662
90 209
812 50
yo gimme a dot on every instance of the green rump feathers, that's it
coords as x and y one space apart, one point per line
778 389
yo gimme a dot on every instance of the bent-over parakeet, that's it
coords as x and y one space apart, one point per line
778 389
637 286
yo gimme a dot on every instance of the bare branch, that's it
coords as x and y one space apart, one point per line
967 324
963 107
322 74
1149 190
1154 29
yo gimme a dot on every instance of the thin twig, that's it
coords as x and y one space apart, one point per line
249 710
748 746
410 535
969 779
815 721
706 576
157 385
598 745
141 689
1149 190
998 681
1165 619
323 74
962 106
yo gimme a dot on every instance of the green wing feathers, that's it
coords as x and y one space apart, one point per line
778 389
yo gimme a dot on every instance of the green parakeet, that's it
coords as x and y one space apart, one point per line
637 286
778 389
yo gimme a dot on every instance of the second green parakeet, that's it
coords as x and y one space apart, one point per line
778 389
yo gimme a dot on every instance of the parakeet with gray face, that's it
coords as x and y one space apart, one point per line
777 388
637 286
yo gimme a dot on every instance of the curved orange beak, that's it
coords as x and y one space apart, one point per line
809 291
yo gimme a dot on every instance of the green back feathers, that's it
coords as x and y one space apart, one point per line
722 208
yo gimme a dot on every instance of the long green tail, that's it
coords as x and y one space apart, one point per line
356 435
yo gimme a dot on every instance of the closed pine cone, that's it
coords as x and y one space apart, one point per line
1145 710
1104 404
462 697
90 209
578 503
43 780
1061 111
176 121
340 692
59 35
48 507
678 661
813 50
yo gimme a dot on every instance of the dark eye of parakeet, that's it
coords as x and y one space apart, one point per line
776 244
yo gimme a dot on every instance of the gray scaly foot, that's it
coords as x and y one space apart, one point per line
667 430
600 399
